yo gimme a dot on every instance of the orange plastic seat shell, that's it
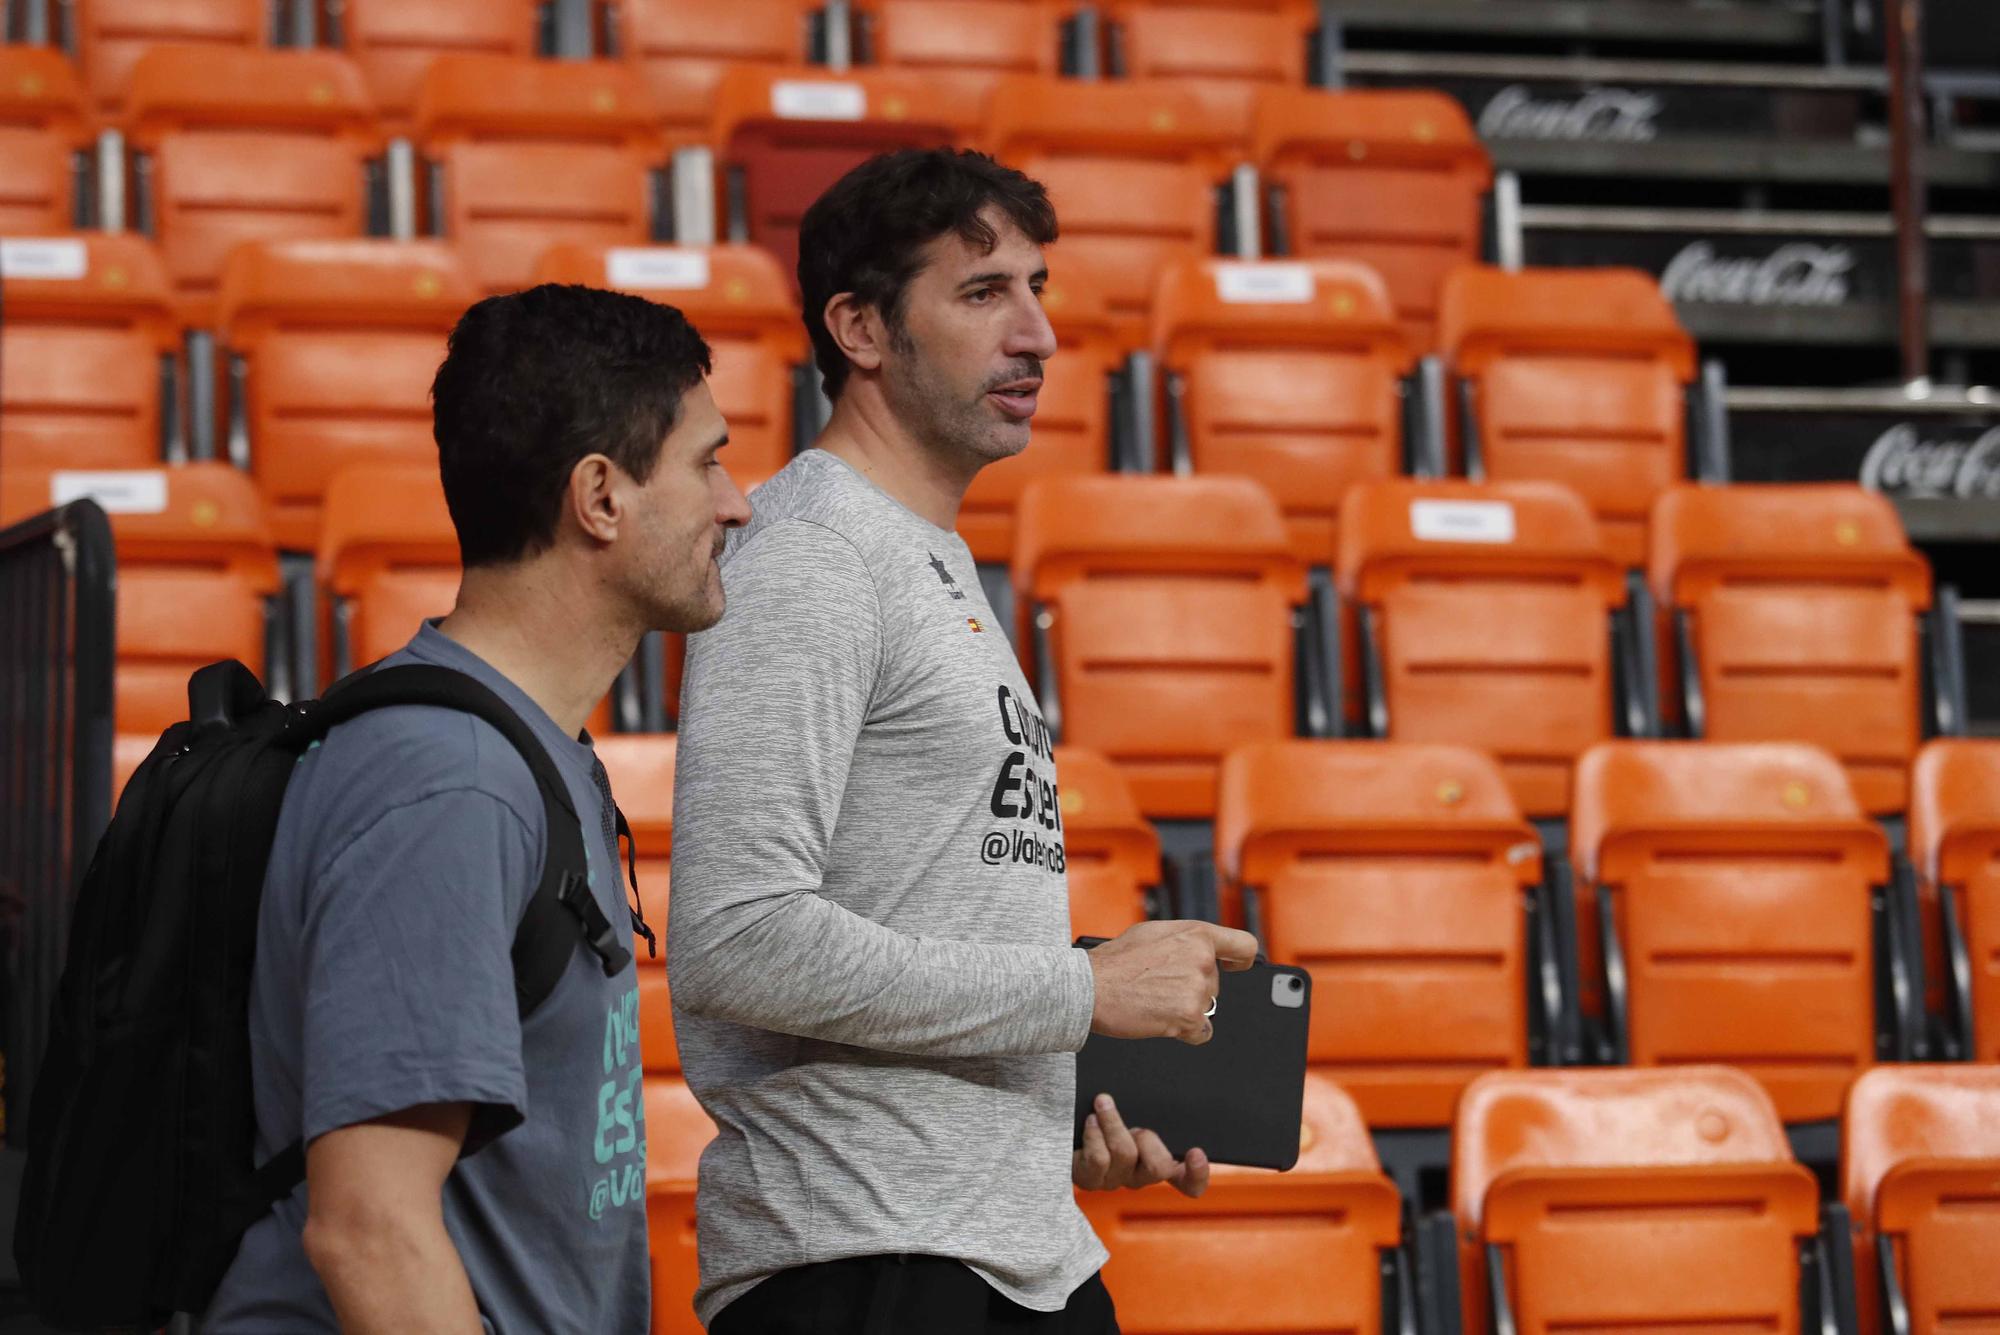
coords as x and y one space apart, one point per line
970 44
682 48
113 35
677 1130
1113 852
394 41
1224 56
43 121
641 769
1954 840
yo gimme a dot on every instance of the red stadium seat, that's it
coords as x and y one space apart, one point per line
1222 55
43 129
1954 844
394 42
111 35
682 48
970 44
339 340
86 348
1113 854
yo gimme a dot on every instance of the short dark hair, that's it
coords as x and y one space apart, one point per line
531 383
866 234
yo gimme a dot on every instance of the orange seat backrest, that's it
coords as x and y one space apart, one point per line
641 766
1395 873
111 36
502 129
791 133
87 328
1578 376
341 340
1112 852
394 41
1130 168
1170 602
1288 373
388 554
1591 1179
970 44
42 124
682 48
1272 1252
1802 604
1394 179
247 145
1072 429
742 303
1741 879
1954 840
1920 1164
677 1130
1489 606
1221 55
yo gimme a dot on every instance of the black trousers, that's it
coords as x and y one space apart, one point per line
903 1295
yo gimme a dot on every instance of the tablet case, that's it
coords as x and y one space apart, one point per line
1238 1096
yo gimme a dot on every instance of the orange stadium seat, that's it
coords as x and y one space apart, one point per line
1796 612
1113 854
86 353
742 303
677 1131
1220 54
111 35
339 341
1484 613
1578 376
497 132
641 766
682 48
1157 612
969 43
1271 1253
1287 372
1739 881
1954 844
246 146
1132 170
394 42
1399 875
1920 1175
785 135
1628 1201
1394 179
1072 424
387 559
44 138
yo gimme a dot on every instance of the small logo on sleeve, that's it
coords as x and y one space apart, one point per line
975 625
944 576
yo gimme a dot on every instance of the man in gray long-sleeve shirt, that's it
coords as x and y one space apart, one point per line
868 945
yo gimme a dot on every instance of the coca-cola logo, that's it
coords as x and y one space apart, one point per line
1797 274
1903 462
1609 115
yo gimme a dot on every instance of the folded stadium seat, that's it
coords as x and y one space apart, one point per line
1113 854
682 48
742 303
338 342
1578 376
44 141
1132 169
1483 612
1289 372
245 146
1301 1251
641 767
1402 876
1156 615
1796 617
1728 890
1072 423
1920 1175
111 35
1954 845
1222 54
394 42
785 135
1394 179
87 353
968 43
196 573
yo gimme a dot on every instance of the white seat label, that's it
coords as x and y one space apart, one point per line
36 257
133 493
656 266
1462 521
799 101
1238 283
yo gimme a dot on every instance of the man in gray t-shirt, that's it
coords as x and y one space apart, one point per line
875 994
469 1169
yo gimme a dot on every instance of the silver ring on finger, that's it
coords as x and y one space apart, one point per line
1211 1007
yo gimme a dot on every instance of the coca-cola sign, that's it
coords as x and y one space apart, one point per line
1799 273
1604 115
1903 462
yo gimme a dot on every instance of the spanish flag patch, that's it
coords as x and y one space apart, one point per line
978 627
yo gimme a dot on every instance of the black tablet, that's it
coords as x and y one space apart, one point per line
1238 1096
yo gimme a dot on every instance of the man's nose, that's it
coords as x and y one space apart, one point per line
1032 335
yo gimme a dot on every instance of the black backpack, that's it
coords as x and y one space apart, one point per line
140 1177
